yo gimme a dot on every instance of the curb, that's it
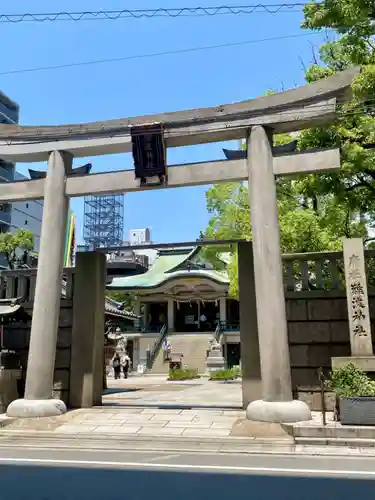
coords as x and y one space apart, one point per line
338 442
229 445
151 443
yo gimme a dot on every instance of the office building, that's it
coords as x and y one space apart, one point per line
27 215
9 113
143 237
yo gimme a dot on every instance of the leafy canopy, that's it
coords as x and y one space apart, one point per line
11 245
316 211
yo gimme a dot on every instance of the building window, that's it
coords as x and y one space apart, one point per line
27 205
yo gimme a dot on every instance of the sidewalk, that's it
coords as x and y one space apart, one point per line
151 413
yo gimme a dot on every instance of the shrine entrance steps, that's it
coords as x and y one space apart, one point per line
193 347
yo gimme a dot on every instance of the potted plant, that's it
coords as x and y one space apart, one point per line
355 392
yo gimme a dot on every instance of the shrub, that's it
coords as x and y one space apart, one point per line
350 381
226 374
183 374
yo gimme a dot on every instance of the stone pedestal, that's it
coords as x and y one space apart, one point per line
215 360
364 363
276 404
38 400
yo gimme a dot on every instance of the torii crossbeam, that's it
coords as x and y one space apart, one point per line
256 119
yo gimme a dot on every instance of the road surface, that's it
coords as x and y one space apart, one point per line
44 474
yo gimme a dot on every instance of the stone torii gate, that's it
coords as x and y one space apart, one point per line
257 119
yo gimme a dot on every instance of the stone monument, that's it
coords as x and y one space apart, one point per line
362 354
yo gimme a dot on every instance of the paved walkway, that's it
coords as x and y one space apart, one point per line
157 391
152 422
150 405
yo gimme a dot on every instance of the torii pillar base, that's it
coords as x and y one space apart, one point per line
32 408
278 411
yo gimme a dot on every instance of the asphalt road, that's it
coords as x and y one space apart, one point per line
43 474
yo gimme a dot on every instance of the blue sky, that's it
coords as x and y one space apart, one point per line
147 85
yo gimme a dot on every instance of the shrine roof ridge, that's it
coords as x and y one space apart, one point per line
168 266
335 87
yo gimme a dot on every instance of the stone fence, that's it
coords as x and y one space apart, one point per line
21 283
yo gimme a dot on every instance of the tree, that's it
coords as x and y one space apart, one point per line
13 245
303 228
354 131
315 211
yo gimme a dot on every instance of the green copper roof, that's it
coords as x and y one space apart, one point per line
167 266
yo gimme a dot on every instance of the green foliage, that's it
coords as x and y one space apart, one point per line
125 298
350 381
353 20
183 374
307 224
11 245
226 374
316 211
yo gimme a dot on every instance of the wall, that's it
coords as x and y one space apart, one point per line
318 330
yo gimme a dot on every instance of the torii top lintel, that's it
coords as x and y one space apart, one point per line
291 110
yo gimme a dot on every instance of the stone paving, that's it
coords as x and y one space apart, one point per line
151 406
157 391
152 422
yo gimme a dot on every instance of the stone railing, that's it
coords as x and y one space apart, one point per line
321 271
313 271
303 272
151 354
21 283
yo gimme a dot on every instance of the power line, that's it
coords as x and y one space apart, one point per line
114 15
155 54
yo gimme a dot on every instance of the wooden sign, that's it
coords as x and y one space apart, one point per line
149 152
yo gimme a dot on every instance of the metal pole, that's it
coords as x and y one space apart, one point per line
322 393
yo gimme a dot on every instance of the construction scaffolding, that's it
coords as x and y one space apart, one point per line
103 223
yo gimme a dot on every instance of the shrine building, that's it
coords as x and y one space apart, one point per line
182 301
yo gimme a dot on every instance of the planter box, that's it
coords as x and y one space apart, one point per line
357 411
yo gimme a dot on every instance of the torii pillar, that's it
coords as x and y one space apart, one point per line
38 401
277 404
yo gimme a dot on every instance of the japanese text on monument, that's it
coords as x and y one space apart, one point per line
358 301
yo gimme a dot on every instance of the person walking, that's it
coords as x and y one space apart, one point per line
116 363
126 364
